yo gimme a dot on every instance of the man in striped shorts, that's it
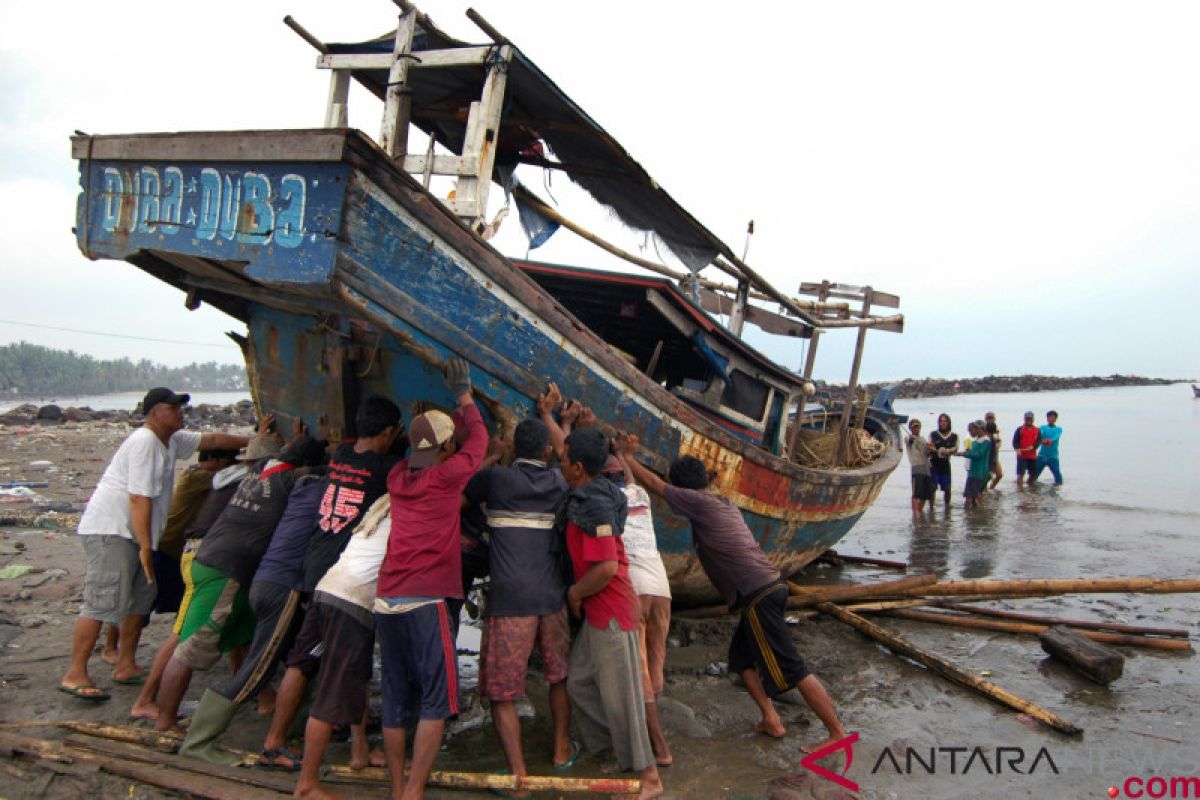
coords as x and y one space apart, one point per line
762 650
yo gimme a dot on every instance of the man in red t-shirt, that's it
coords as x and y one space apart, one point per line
604 675
421 569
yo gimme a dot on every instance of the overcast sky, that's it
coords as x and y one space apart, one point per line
1026 176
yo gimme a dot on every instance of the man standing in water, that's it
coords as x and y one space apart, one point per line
762 650
945 444
1025 441
1048 454
923 488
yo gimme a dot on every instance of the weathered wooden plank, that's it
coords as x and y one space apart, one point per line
437 165
715 303
422 59
397 104
337 109
296 145
481 139
1089 658
845 292
263 779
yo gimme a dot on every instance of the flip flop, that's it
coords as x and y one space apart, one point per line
576 750
96 695
271 755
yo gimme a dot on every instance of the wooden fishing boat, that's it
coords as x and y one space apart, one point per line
353 278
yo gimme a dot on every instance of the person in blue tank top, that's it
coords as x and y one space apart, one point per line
1048 453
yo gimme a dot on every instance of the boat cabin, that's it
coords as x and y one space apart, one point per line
654 326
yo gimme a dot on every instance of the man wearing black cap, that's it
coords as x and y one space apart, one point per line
120 529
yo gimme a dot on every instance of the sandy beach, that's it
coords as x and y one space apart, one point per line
1142 725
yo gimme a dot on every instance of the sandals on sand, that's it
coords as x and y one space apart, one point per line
86 691
267 759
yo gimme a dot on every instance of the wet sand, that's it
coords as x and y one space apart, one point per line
1143 725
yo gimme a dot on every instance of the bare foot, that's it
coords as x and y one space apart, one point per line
771 727
375 758
821 745
664 761
109 657
651 787
314 792
144 711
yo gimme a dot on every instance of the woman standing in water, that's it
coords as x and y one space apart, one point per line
945 443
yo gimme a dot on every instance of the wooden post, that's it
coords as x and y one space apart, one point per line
398 101
844 430
427 173
479 144
810 362
336 110
737 318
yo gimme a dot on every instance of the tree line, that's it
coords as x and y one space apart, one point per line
34 370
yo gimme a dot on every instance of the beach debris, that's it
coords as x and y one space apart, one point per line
14 571
967 621
39 579
1089 658
1034 588
1116 627
834 557
947 670
481 780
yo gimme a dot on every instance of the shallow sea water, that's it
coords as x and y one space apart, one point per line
1129 507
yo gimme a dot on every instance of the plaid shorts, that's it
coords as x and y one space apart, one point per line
506 647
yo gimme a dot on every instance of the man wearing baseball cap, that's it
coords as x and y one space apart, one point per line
120 529
421 569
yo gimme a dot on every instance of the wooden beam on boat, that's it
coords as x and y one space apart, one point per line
849 293
321 144
486 27
397 104
852 387
420 59
303 33
337 109
437 165
715 303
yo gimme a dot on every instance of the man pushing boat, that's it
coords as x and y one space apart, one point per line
762 650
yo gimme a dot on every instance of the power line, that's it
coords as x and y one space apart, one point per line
112 335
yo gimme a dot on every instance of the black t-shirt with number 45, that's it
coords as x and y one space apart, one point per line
356 480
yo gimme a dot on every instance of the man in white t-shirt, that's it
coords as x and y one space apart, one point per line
120 529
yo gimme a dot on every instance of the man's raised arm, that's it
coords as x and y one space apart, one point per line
627 446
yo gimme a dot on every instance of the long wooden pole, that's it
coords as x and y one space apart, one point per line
834 556
964 621
1138 630
482 780
1068 586
802 596
807 595
948 670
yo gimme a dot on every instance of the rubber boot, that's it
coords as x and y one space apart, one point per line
212 717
